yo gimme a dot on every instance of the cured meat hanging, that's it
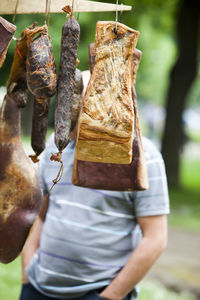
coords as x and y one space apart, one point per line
116 176
17 80
42 83
20 195
7 31
39 126
76 100
91 56
105 132
40 64
69 51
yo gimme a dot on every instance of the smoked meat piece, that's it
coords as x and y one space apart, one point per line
7 31
17 78
40 64
91 56
118 177
106 122
76 102
42 83
17 85
39 126
63 113
20 195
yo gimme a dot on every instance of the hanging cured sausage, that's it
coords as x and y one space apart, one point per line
76 100
69 51
20 195
42 83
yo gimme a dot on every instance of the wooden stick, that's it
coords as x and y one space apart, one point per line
38 6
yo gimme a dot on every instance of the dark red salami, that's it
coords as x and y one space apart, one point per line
42 83
39 126
69 50
76 101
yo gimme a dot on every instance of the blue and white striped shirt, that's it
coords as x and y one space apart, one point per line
89 234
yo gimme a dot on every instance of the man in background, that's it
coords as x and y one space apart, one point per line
90 244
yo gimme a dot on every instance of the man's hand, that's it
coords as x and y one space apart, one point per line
154 230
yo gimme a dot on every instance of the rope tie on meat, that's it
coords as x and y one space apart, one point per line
57 157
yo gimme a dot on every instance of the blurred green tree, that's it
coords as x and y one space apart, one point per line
182 76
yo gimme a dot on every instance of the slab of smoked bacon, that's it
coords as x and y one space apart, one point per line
118 177
105 132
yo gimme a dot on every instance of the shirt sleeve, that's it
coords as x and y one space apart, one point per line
155 200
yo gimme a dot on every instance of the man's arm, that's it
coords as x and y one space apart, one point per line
154 230
33 240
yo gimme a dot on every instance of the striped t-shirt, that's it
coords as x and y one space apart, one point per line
89 234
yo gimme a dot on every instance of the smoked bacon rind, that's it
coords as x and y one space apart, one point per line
105 132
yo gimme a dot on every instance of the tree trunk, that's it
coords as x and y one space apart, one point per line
181 78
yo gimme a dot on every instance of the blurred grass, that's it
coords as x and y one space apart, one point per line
153 290
10 280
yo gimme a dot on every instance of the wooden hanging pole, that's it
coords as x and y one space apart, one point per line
39 6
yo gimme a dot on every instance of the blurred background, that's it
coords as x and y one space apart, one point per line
168 92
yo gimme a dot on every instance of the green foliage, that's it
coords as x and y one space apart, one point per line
10 280
185 201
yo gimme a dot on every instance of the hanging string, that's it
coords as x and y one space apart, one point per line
116 19
72 6
15 12
47 10
58 177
